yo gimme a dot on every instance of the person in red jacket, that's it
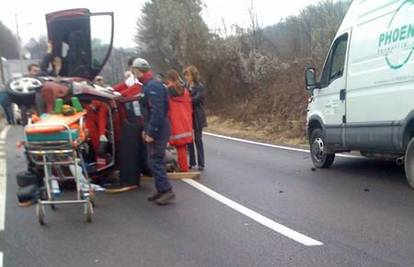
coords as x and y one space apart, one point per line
96 123
180 116
131 149
130 86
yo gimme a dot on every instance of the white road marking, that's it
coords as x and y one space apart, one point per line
3 185
277 227
3 134
3 181
275 146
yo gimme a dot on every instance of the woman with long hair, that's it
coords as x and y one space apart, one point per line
197 91
180 115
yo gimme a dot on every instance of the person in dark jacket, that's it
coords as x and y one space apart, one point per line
197 90
156 129
51 65
6 104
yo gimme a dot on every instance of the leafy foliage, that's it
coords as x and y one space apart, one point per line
256 74
172 33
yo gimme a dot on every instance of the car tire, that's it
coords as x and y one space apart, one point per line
22 90
409 163
26 178
28 193
320 158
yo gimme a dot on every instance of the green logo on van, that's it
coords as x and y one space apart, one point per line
397 43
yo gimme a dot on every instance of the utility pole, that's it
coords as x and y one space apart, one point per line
19 40
2 78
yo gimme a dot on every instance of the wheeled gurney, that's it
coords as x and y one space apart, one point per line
55 142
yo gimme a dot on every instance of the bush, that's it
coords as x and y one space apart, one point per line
255 76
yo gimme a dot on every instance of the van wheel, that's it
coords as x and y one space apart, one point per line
409 163
317 146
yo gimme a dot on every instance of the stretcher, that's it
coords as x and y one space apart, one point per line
54 142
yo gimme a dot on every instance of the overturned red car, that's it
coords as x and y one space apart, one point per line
71 39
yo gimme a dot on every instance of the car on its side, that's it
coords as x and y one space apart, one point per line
78 39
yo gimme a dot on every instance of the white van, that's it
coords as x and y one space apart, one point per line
364 100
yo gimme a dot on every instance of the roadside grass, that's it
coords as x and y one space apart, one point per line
253 132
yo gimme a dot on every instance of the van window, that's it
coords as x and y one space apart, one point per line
335 65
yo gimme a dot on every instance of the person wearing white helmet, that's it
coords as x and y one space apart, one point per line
156 130
132 150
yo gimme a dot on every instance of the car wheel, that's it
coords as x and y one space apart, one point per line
409 163
22 90
320 158
26 178
28 193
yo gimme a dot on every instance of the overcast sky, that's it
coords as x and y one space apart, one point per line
30 14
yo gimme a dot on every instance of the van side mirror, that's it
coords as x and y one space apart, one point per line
310 79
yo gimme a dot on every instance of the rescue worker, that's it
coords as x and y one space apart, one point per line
130 86
197 89
96 123
99 80
33 70
132 150
157 129
51 65
180 116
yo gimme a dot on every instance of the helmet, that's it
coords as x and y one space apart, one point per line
141 64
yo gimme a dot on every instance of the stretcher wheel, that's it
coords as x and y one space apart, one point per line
40 213
53 206
43 194
89 211
92 200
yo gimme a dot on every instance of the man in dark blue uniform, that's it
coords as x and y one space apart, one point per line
156 134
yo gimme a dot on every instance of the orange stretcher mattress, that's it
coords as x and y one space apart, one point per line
49 123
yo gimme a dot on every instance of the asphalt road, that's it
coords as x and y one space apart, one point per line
361 210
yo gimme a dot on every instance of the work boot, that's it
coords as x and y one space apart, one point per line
154 196
165 198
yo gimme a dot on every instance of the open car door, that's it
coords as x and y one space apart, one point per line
83 40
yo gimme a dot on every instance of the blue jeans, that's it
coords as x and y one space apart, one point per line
156 154
5 102
198 141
